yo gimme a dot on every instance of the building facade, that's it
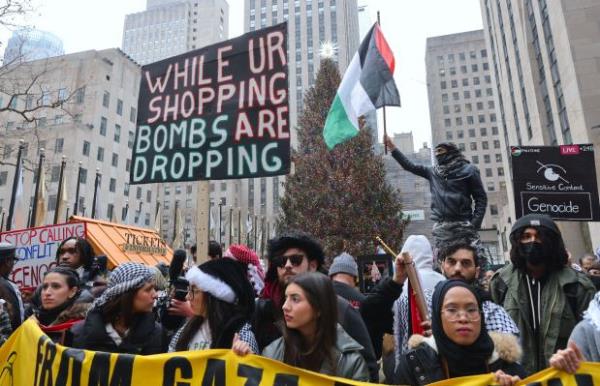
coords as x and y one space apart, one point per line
95 128
165 29
311 23
543 55
462 110
28 44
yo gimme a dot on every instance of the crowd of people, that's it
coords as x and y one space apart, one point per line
540 310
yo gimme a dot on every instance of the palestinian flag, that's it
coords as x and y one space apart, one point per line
367 85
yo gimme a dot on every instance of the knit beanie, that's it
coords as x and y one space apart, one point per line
344 263
535 220
126 277
225 279
255 272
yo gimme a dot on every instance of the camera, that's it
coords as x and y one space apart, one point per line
180 286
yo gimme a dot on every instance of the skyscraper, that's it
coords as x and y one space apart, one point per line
168 28
311 23
27 44
543 55
462 110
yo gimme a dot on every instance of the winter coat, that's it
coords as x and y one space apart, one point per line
451 197
13 298
60 329
587 337
350 362
145 336
266 317
565 295
422 365
351 294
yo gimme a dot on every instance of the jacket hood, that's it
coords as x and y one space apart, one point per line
420 250
506 346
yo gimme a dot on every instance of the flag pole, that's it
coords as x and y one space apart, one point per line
60 187
239 225
384 118
76 204
2 221
230 225
13 197
37 189
96 183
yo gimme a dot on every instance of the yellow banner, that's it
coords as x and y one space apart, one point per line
30 358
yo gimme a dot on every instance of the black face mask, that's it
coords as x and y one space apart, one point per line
533 252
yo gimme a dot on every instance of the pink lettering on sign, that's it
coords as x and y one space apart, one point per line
569 149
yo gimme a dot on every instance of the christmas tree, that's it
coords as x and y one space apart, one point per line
339 196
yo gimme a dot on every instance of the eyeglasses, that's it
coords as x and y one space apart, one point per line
281 261
454 314
72 251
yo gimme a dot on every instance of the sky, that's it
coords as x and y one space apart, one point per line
93 24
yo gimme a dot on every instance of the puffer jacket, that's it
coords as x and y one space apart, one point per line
565 295
451 197
421 365
350 363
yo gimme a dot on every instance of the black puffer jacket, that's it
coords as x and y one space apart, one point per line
146 337
422 365
451 197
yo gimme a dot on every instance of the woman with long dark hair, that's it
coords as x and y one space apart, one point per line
312 338
460 344
121 319
222 300
59 309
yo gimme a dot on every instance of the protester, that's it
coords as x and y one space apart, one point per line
458 198
9 290
312 339
289 255
222 300
77 253
121 319
59 309
344 274
249 258
5 326
461 344
215 251
587 261
540 292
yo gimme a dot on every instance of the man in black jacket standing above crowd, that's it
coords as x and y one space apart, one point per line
458 199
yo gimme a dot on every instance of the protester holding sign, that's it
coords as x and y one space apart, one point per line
60 310
222 300
460 345
312 338
121 319
542 294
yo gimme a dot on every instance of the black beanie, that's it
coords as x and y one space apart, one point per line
535 220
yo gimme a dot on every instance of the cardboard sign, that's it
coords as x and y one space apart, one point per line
559 181
36 250
220 112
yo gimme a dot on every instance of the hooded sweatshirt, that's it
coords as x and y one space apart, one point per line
420 250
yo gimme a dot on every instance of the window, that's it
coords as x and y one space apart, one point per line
496 144
132 115
471 133
106 99
460 134
457 108
500 171
83 174
444 97
459 121
474 68
473 145
112 186
103 124
481 118
119 107
483 131
80 95
465 82
475 159
472 55
454 84
100 156
452 70
447 123
55 173
130 139
476 80
461 146
488 172
494 130
485 145
486 158
446 110
467 94
461 56
498 157
483 53
455 96
3 178
115 160
126 189
109 211
138 193
148 196
491 105
478 93
443 85
493 210
62 94
86 148
127 165
470 120
463 69
58 145
468 107
117 136
492 117
448 135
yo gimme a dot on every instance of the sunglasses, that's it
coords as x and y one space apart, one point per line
72 251
281 261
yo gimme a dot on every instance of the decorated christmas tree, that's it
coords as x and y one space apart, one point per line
339 196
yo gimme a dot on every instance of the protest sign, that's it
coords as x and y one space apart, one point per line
220 112
36 250
30 358
372 269
559 181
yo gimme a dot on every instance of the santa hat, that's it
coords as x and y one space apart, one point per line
255 272
225 279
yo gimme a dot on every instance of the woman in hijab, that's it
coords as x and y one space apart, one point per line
460 345
584 342
60 308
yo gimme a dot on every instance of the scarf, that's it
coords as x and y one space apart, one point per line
47 317
592 314
462 360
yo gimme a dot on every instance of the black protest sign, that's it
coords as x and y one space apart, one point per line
372 269
559 181
220 112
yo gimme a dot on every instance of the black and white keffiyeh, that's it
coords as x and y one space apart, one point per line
124 278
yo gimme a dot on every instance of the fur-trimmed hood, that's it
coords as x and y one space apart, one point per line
77 311
506 346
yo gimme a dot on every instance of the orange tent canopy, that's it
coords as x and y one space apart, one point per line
122 243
